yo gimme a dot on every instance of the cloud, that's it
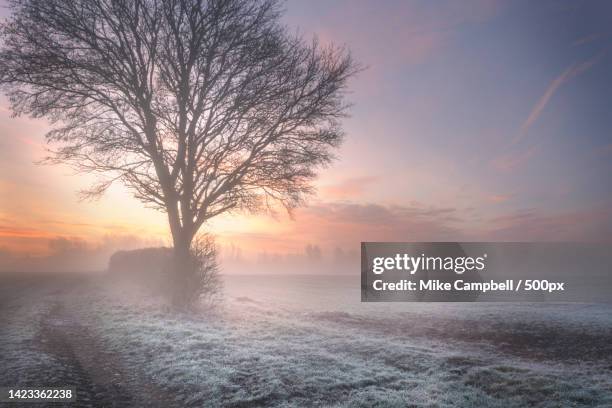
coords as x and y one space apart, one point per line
377 214
586 39
499 198
518 157
590 224
349 188
346 224
512 160
19 232
570 73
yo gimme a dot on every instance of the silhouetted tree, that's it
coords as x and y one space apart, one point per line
199 106
313 252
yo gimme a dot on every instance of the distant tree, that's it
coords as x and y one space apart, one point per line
313 252
199 106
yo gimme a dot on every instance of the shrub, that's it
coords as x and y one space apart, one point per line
143 267
202 281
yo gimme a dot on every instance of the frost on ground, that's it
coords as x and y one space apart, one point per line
250 352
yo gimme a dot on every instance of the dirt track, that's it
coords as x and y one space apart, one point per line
96 374
80 359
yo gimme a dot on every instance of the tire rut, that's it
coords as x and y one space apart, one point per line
84 365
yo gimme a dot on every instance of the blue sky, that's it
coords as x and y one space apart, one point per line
506 100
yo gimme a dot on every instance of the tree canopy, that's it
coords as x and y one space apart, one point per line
198 106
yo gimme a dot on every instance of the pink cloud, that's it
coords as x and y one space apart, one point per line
586 39
349 188
511 161
573 71
499 198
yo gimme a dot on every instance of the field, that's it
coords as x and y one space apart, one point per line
298 345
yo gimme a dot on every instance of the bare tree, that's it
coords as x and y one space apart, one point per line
199 106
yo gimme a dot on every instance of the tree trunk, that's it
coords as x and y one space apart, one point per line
181 270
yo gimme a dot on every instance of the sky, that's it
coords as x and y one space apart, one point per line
475 120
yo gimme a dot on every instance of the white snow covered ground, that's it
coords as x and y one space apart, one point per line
307 341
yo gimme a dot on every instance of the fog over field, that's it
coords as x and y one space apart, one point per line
302 341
